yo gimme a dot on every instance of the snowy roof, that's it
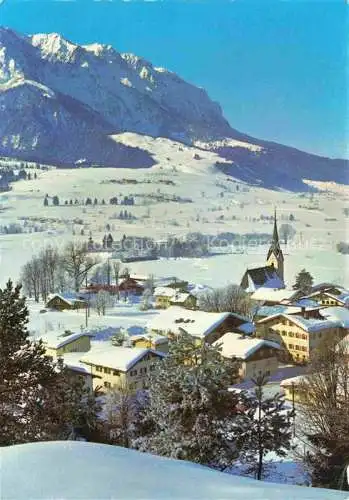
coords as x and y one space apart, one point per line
265 277
56 341
273 294
307 324
180 297
164 291
336 313
276 310
176 319
237 346
68 297
72 361
117 358
80 470
293 380
326 286
342 297
152 337
305 302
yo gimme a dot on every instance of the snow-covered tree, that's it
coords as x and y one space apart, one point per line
304 282
267 428
325 417
231 298
102 301
146 300
189 414
120 414
121 338
39 400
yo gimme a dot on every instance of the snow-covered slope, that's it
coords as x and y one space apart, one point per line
77 470
60 101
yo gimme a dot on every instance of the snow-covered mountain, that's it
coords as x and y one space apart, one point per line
78 470
60 102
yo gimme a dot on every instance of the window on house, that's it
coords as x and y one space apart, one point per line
116 373
99 369
143 370
107 370
133 373
107 385
290 346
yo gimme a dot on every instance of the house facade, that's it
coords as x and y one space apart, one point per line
59 345
298 336
256 356
60 302
166 296
150 341
121 366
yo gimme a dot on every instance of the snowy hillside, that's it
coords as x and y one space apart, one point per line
60 103
73 470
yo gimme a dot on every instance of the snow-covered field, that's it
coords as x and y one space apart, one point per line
78 470
218 205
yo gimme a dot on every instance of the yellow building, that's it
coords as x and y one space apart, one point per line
58 345
330 298
257 356
166 296
298 335
113 367
295 389
150 341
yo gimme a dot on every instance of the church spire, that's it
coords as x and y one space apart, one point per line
275 241
275 248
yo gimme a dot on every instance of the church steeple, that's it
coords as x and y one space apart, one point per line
275 256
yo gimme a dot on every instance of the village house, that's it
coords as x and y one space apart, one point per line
63 301
298 334
207 326
257 356
58 345
273 296
150 341
113 367
330 297
271 275
167 296
130 286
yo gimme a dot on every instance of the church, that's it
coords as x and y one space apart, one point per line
272 274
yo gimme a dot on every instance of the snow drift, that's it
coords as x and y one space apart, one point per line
78 470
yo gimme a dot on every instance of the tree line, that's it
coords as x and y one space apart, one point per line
55 271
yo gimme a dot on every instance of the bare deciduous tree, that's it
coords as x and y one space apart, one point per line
286 232
325 416
120 414
102 301
77 262
229 299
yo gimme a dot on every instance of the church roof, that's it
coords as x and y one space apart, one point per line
265 276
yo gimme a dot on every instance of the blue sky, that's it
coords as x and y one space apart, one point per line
278 68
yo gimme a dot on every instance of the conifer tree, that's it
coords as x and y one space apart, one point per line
38 399
267 427
189 413
304 282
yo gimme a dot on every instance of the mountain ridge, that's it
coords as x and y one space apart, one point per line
92 92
